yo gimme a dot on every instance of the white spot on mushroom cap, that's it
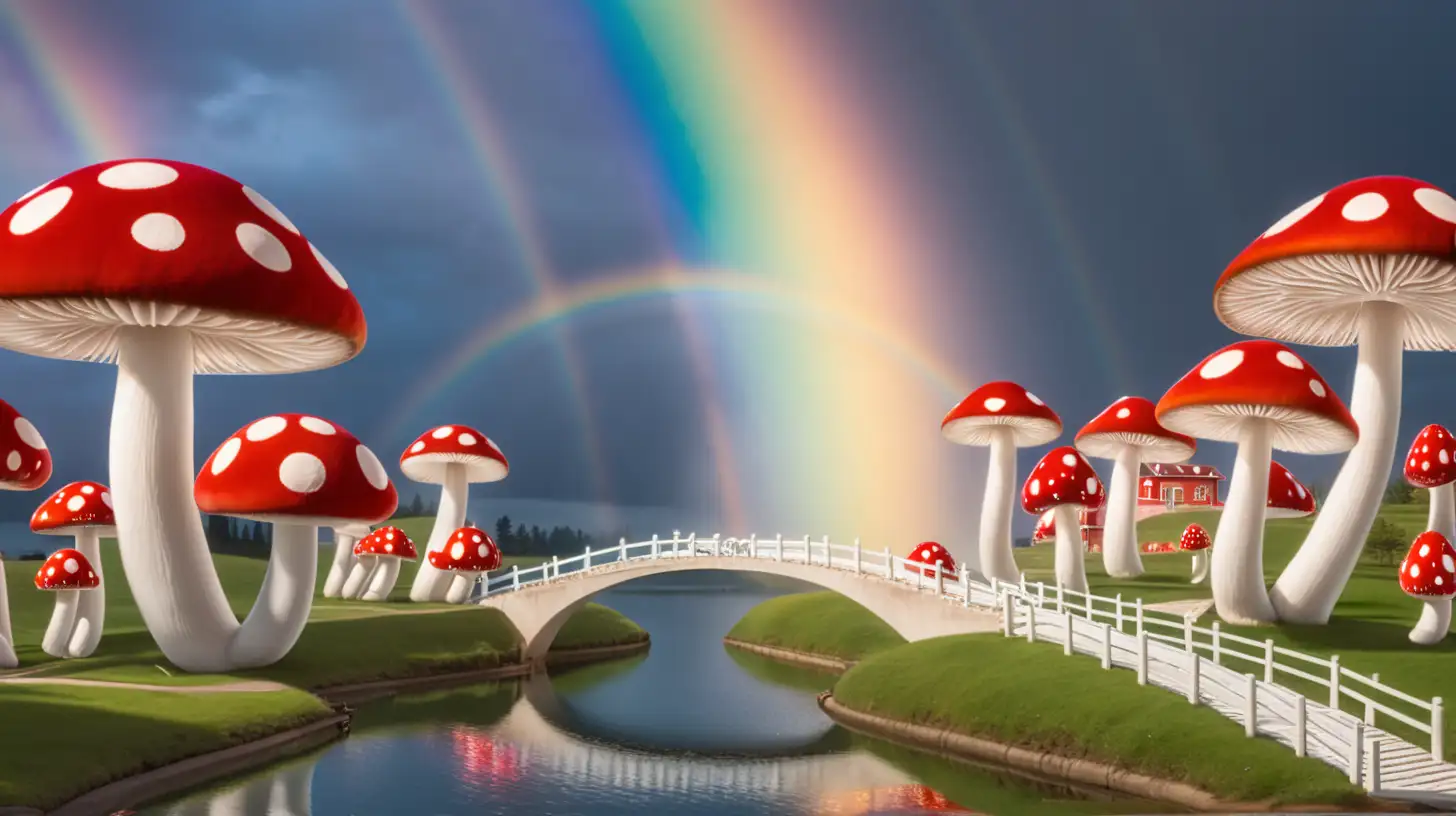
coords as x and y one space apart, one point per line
1425 550
318 426
1415 570
1069 459
39 211
268 209
1221 364
71 566
1034 399
373 469
87 489
1444 456
1438 580
1448 562
1425 449
302 472
417 447
106 497
1365 207
442 432
1124 413
137 175
264 247
1425 465
388 547
329 269
1092 485
466 439
475 537
994 404
28 433
159 232
481 550
1436 203
457 550
12 462
50 570
265 428
1289 359
1317 388
225 455
1035 487
1295 216
76 503
1299 488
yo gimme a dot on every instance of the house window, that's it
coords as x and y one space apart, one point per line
1200 493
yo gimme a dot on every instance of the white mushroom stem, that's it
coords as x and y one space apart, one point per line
291 793
359 576
1200 567
1435 621
431 584
1312 582
1442 515
281 610
382 582
343 562
1119 537
460 587
63 620
8 660
91 612
997 559
1070 552
1237 563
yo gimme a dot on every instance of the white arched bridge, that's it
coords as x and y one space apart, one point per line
1168 650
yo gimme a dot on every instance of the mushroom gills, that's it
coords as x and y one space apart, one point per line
432 583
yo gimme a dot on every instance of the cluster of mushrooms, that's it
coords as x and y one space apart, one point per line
169 270
1371 264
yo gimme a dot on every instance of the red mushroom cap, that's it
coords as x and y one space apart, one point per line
932 553
1429 569
25 462
1046 527
387 542
1130 422
469 549
426 460
1001 404
1194 538
77 505
257 296
1061 477
1288 497
295 469
66 569
1432 458
1385 238
1259 379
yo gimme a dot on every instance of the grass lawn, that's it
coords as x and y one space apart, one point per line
824 623
345 642
1033 696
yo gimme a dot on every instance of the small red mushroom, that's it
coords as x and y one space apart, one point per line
469 552
931 553
1429 573
1195 539
25 464
1288 497
83 511
1063 482
380 554
1431 464
68 573
454 457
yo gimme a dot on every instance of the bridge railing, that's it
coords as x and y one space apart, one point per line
1320 678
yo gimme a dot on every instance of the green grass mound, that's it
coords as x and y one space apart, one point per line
1033 696
822 623
595 625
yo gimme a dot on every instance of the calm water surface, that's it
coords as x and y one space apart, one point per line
689 730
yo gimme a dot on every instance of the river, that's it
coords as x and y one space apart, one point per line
690 729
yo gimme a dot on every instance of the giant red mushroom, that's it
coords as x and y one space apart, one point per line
25 464
1128 434
168 270
81 510
299 473
454 457
1195 540
1429 573
387 547
1001 416
1288 497
1431 464
1263 397
345 539
1371 263
1064 482
468 553
68 573
930 553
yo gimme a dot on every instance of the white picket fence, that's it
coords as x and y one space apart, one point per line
1239 676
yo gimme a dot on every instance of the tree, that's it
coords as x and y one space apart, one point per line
1399 491
417 507
503 529
260 533
1385 541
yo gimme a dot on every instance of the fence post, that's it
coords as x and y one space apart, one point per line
1373 775
889 565
939 579
555 566
1040 592
622 549
1301 744
1006 622
1118 613
586 559
1335 684
1217 646
828 553
1188 633
1268 661
1088 599
1138 608
1031 623
1021 579
1106 646
515 577
1438 729
779 547
858 558
753 545
920 577
693 544
1194 671
1357 753
1061 602
1067 635
676 534
656 546
1142 669
1251 705
966 586
1370 706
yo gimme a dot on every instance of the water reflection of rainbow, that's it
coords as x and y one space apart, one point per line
480 756
911 798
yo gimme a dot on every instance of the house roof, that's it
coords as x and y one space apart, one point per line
1182 471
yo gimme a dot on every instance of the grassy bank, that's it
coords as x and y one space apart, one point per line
345 642
823 623
1033 696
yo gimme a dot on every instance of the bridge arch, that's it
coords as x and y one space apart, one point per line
538 611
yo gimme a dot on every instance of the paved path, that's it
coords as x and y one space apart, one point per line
1195 607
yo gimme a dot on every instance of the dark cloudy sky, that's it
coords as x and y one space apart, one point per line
1101 161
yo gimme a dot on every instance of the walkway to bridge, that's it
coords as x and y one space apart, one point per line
921 603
